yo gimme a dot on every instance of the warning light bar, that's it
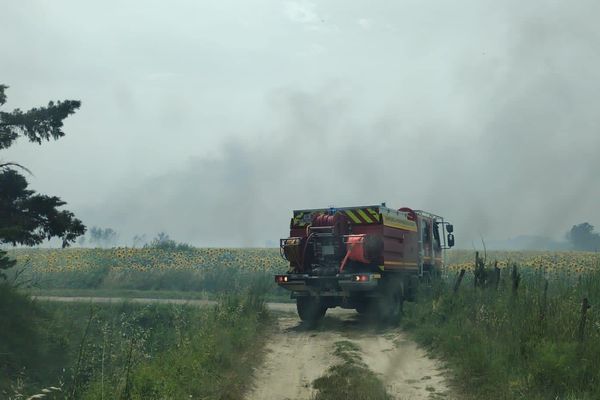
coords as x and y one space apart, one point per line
281 278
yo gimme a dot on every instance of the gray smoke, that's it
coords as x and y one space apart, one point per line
484 113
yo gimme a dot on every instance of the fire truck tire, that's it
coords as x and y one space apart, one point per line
411 285
363 308
310 309
389 307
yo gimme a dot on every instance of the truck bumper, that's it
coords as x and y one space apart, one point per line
338 285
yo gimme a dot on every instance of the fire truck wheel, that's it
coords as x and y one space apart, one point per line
310 308
410 288
363 308
390 305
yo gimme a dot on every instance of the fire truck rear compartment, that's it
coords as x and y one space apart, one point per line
367 257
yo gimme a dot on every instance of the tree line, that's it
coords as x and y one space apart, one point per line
583 238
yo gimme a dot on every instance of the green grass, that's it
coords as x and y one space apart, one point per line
128 350
351 379
502 344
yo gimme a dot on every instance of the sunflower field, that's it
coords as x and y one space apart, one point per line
560 262
149 259
221 269
196 269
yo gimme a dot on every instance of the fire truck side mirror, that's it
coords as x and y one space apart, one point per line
449 228
450 240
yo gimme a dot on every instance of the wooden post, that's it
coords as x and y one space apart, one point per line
496 275
459 279
516 278
477 272
475 269
544 302
585 305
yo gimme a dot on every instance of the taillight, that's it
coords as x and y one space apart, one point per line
281 278
361 278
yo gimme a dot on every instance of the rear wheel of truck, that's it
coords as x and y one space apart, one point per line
389 306
310 309
410 288
363 308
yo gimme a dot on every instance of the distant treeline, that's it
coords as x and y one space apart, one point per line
108 237
580 237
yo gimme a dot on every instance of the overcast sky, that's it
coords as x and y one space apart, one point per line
211 121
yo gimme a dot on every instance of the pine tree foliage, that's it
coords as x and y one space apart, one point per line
37 124
26 217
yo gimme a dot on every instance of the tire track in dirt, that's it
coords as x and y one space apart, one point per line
296 355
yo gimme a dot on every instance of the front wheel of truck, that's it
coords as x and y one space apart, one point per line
310 309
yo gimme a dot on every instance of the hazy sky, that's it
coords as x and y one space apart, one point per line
213 120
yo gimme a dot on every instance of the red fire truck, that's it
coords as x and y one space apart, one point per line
369 258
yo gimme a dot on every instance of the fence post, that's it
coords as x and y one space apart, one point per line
496 275
585 305
459 279
480 274
516 278
544 302
475 275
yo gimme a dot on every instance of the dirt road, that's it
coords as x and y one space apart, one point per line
297 355
282 307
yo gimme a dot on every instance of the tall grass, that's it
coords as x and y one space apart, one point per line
130 351
20 334
503 344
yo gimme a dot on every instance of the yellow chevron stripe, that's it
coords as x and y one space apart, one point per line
352 216
374 213
298 219
364 215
